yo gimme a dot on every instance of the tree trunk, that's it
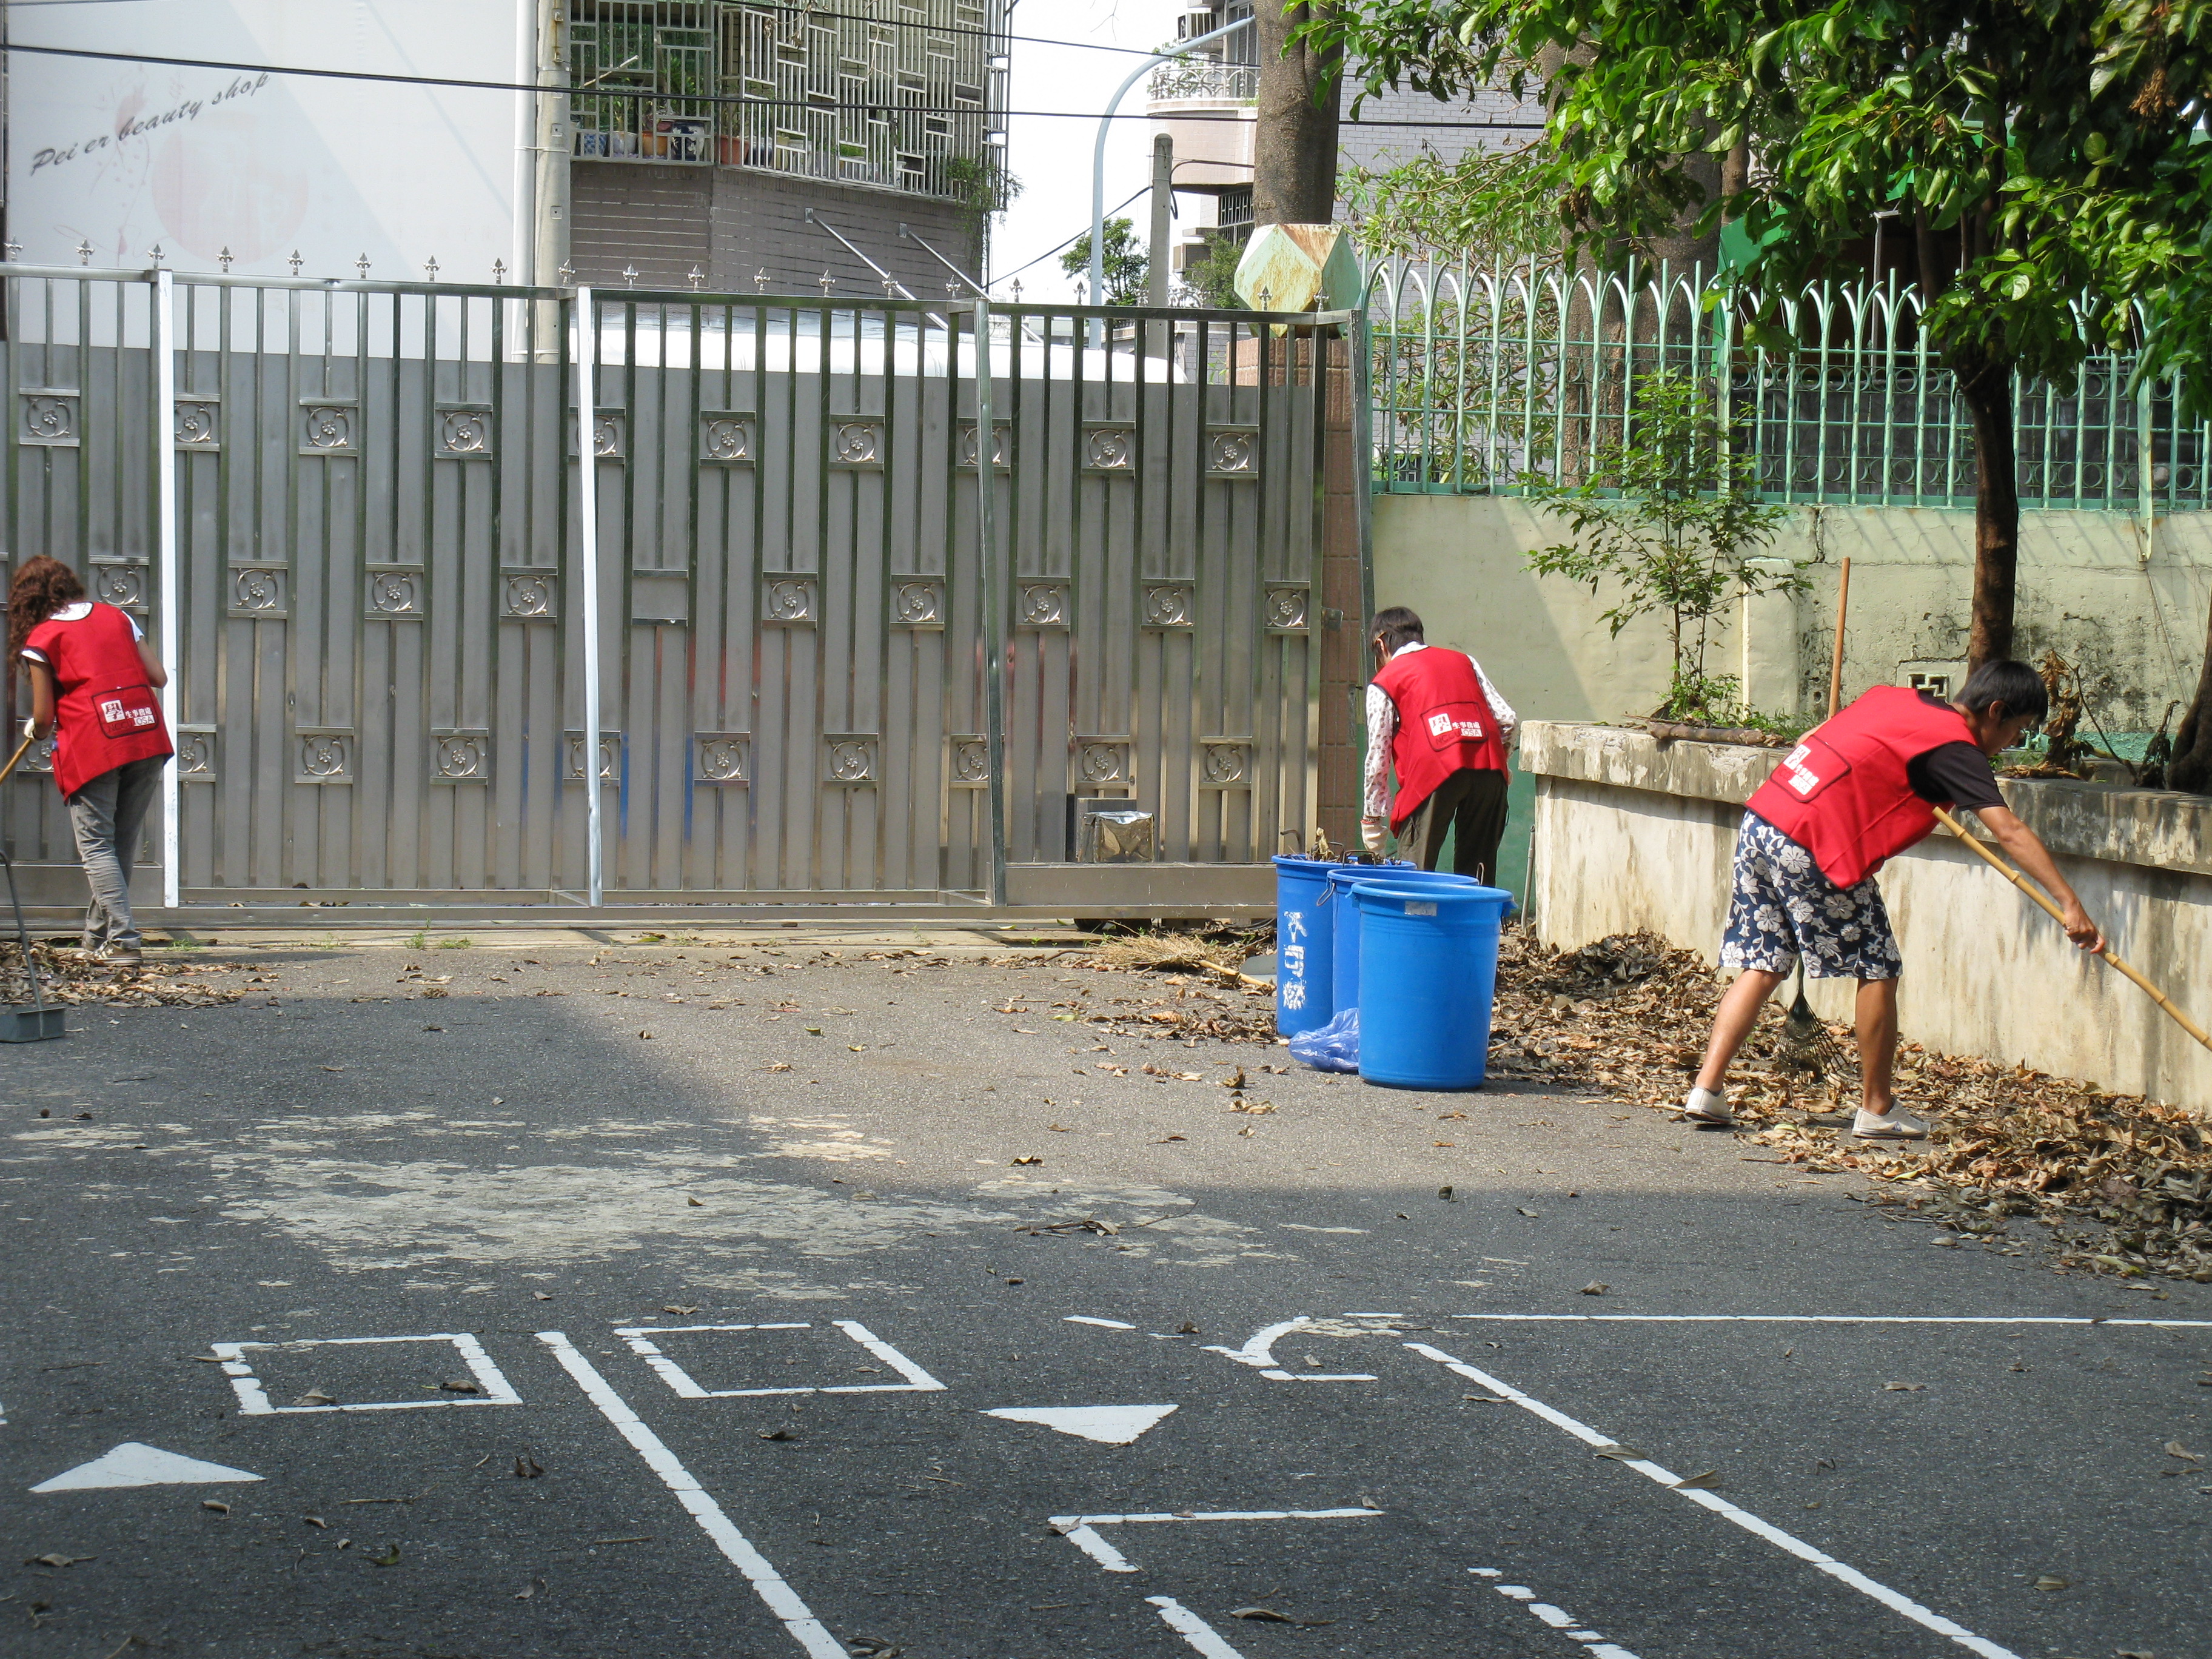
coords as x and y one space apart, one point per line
2191 766
1986 388
1294 151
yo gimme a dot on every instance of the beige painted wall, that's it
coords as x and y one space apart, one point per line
2135 625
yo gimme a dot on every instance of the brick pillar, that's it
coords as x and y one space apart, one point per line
1342 624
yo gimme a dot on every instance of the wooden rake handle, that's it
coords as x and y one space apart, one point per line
21 750
2110 956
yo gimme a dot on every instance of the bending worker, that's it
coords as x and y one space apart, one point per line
93 680
1855 791
1434 716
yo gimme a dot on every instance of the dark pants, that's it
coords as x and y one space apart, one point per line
1471 803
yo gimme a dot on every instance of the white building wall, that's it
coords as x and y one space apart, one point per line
125 155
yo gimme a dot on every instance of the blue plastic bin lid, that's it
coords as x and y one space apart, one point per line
1384 893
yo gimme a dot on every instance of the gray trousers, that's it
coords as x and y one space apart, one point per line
109 816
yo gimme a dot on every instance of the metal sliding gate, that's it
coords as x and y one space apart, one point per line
755 649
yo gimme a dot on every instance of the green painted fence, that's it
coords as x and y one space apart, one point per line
1482 379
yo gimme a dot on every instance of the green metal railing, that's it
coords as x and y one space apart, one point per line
1482 379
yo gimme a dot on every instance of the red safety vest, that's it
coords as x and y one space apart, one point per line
1842 794
1444 724
108 715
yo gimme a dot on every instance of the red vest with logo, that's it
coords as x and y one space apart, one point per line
1842 794
108 715
1444 724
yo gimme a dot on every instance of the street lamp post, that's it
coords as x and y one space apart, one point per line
1099 155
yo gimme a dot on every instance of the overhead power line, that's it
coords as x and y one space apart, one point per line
385 78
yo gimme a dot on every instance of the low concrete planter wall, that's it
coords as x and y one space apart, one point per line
1631 836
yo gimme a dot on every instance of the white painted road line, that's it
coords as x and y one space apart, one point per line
640 1338
1259 1351
1827 1319
254 1402
1192 1628
1077 1528
1108 1324
916 1378
1557 1618
1751 1523
782 1599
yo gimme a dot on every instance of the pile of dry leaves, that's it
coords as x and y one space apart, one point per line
66 977
2125 1184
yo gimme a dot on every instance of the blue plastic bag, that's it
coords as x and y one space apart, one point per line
1331 1047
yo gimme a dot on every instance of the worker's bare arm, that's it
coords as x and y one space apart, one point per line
2030 854
42 697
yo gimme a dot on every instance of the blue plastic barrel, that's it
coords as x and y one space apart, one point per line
1343 959
1303 936
1428 968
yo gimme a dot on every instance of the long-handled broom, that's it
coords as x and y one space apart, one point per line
2111 958
41 1020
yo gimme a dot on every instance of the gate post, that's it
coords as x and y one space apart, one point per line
587 540
1345 600
995 628
163 341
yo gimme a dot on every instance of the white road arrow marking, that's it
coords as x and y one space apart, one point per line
1259 1351
131 1464
1109 1425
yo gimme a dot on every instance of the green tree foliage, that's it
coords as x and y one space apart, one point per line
1669 519
1211 282
2044 156
1490 207
1127 265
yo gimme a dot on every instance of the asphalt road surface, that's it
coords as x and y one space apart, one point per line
348 1320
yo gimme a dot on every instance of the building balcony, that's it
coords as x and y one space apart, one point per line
1212 123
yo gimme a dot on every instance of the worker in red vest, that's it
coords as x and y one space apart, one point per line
93 678
1433 716
1857 790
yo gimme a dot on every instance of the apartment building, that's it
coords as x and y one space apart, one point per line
706 131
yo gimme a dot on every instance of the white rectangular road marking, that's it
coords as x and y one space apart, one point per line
768 1584
1077 1528
1085 1319
1751 1523
253 1400
640 1338
1192 1628
1826 1319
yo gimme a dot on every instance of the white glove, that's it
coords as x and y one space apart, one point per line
1372 831
30 726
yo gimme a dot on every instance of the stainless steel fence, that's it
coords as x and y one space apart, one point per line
1483 377
420 651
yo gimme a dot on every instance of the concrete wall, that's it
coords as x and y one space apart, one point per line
733 222
1634 836
2135 624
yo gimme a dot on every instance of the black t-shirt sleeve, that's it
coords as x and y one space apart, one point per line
1956 773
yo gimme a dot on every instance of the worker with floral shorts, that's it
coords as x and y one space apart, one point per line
1855 792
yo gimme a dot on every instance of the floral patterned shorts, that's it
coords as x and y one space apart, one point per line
1783 907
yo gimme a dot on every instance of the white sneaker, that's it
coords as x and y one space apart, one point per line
1708 1106
1899 1125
